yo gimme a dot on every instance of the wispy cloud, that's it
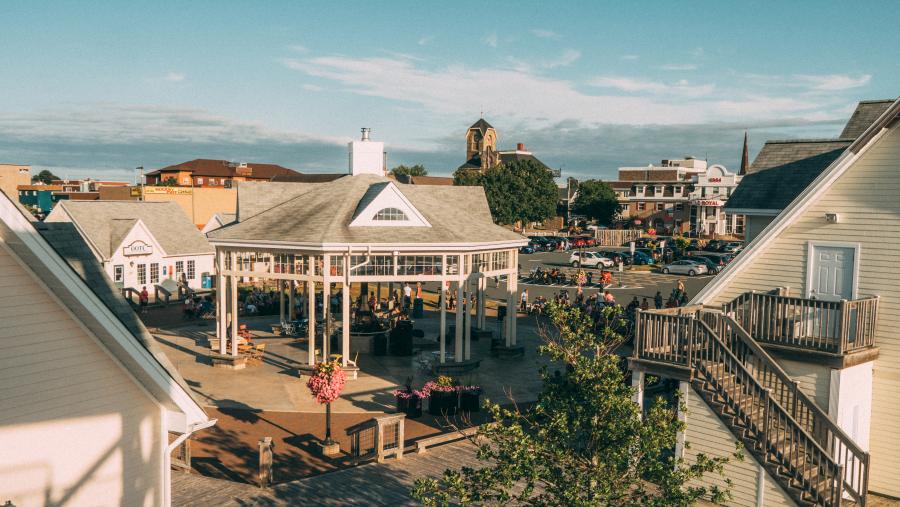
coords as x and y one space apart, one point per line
568 57
174 77
424 41
679 66
544 33
629 57
491 40
834 82
311 87
298 48
634 85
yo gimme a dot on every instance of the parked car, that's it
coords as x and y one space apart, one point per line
527 249
712 266
713 245
616 257
642 259
720 259
541 242
589 260
732 247
685 267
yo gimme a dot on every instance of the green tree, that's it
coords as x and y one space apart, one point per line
521 190
597 200
584 442
415 170
44 176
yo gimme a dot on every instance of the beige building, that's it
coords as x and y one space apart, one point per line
200 204
793 348
13 175
91 410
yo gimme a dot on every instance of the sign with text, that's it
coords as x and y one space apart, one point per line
138 248
168 190
710 202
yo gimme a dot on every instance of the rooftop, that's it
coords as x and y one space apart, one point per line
224 168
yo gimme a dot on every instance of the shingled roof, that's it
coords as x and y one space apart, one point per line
865 114
105 222
781 170
481 125
321 213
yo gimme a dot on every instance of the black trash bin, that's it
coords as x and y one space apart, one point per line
418 308
402 339
501 312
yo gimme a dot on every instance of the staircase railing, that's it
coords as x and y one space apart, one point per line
801 406
836 327
783 419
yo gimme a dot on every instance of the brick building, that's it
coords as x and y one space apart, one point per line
203 172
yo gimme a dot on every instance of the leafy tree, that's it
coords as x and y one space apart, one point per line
415 170
584 442
521 190
597 200
45 176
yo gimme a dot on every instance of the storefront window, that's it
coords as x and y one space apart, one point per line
154 273
142 274
191 270
418 265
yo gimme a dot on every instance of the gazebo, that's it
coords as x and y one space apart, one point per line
362 229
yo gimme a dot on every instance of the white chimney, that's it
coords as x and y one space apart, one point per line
366 156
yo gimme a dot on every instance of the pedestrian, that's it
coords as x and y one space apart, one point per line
524 300
590 278
144 299
684 299
609 298
645 305
658 300
407 296
680 285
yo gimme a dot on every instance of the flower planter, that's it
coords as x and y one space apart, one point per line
411 406
443 402
470 401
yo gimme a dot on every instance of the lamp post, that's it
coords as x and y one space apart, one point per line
141 181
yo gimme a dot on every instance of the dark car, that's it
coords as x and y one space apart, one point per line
711 265
527 249
714 245
642 259
732 247
540 242
721 260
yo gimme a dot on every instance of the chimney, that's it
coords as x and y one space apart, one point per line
365 133
367 156
520 147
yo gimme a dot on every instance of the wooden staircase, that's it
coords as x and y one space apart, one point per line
813 460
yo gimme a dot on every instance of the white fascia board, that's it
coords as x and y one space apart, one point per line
753 211
787 217
375 247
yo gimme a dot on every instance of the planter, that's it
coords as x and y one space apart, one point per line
443 402
411 406
469 401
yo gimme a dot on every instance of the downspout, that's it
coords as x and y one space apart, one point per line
167 459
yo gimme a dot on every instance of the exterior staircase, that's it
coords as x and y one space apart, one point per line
813 460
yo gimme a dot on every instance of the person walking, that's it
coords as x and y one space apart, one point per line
523 301
144 299
658 300
407 296
645 305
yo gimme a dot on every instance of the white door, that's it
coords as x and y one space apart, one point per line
831 272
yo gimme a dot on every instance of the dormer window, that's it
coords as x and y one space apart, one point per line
391 215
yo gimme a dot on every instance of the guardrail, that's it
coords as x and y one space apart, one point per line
378 438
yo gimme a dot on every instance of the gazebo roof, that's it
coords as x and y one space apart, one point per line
341 211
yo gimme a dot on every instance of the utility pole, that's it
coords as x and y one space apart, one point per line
140 168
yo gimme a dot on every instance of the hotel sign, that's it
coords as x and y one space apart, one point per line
168 190
709 202
137 248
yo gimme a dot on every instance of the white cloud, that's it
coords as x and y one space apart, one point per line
698 52
423 41
174 77
568 57
629 57
298 48
679 66
544 33
833 82
632 85
491 40
311 87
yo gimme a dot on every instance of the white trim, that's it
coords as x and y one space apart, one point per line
389 197
811 244
790 215
375 247
752 211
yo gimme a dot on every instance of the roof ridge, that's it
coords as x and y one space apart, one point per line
810 140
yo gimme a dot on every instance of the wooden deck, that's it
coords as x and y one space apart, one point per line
371 484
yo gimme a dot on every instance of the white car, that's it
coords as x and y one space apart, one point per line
589 260
684 267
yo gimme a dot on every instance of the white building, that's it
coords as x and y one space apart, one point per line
91 410
139 243
711 191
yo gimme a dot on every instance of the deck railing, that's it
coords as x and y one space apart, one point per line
835 327
790 427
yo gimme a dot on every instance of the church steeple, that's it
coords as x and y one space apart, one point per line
481 144
745 157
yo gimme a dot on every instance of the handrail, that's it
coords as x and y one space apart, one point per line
804 409
834 327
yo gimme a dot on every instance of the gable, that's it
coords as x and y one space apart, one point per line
383 205
138 241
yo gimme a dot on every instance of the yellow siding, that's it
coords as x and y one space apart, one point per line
773 495
74 428
867 198
706 434
813 379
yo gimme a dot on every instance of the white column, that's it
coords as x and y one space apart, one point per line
345 319
326 312
514 292
281 300
637 382
509 322
234 306
460 300
311 322
221 314
468 333
292 311
479 295
683 388
442 301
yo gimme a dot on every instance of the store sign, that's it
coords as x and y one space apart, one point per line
709 203
715 180
168 190
138 248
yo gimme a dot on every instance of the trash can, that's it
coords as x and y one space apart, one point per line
501 313
418 308
379 345
206 281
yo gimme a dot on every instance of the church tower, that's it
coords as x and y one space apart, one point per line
481 145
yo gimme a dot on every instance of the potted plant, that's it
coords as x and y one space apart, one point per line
469 398
443 398
409 400
326 385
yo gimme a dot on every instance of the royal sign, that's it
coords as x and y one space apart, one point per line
709 203
138 248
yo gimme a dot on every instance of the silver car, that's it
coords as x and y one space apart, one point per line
685 267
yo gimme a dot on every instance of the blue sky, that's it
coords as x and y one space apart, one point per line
97 88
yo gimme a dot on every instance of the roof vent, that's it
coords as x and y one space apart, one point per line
365 133
520 147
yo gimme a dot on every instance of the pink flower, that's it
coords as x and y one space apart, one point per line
327 383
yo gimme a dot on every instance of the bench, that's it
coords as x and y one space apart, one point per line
455 368
423 444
